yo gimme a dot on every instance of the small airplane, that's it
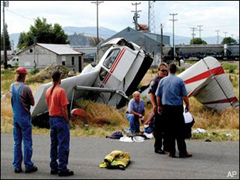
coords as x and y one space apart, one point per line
116 76
209 84
122 67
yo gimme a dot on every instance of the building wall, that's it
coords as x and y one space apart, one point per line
67 60
41 56
157 37
89 53
44 58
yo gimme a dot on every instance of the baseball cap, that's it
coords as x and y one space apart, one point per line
21 70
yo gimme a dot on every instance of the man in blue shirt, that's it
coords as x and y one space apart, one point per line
135 110
171 92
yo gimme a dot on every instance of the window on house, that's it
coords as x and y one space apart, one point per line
63 63
30 50
72 60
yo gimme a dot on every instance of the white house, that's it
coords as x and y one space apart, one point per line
42 55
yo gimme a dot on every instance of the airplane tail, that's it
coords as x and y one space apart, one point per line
209 84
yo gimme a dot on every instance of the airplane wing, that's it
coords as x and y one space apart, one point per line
208 83
84 79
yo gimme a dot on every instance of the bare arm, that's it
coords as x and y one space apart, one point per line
135 113
65 112
185 98
152 98
158 104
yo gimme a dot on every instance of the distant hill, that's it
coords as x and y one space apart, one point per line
14 37
89 31
186 40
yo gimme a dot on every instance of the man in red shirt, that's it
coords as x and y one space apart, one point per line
57 102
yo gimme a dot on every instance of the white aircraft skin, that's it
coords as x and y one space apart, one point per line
115 77
122 68
209 84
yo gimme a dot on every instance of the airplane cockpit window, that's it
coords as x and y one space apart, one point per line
111 57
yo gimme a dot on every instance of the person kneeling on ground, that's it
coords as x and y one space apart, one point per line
135 111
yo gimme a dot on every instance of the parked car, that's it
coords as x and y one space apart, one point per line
13 62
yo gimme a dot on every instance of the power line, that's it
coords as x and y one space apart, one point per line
21 15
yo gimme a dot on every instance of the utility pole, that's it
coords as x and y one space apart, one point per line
34 43
200 30
225 33
12 44
161 44
5 4
136 15
173 20
97 4
193 34
217 36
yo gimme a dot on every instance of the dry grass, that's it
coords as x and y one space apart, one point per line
148 77
210 119
104 120
100 114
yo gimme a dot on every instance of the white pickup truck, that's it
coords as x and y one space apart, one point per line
13 62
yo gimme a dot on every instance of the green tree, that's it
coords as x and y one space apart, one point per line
22 41
42 32
198 41
228 40
7 40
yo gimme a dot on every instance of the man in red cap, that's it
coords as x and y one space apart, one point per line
22 99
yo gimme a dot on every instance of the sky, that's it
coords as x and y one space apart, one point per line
117 15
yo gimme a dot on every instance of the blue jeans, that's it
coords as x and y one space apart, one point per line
60 138
133 122
22 131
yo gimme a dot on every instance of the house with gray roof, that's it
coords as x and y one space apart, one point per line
41 55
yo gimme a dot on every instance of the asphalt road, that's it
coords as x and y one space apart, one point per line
211 160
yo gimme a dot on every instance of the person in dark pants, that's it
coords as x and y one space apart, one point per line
171 92
57 102
159 124
21 100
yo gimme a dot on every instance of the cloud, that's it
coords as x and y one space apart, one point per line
117 15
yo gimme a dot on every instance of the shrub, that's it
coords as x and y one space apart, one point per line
180 70
34 71
229 67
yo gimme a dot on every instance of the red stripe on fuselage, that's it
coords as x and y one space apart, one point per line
118 60
215 71
106 78
114 65
232 99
